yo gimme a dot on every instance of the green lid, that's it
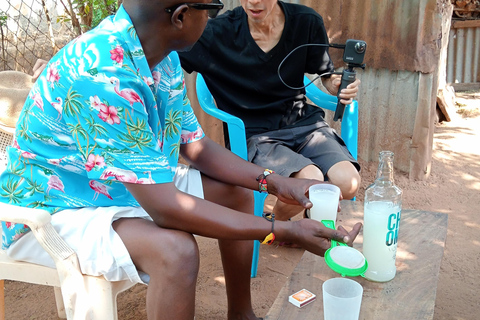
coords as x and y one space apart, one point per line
345 260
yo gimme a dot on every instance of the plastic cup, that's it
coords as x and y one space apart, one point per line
325 199
342 298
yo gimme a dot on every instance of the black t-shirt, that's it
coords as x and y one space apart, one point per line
244 80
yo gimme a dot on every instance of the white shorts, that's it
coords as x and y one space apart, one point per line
89 232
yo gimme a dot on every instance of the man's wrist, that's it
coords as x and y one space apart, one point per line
262 180
272 181
328 85
284 231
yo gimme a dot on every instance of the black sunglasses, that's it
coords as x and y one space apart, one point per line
212 8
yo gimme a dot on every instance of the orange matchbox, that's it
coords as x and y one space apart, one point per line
301 298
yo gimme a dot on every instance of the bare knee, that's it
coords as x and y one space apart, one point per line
350 187
175 255
159 252
309 172
346 177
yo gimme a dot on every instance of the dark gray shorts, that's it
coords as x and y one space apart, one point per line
287 151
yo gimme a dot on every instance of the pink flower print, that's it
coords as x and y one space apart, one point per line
17 236
28 155
52 74
95 102
108 114
156 77
117 54
93 161
11 225
148 80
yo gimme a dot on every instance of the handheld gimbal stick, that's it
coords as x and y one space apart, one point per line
353 54
348 76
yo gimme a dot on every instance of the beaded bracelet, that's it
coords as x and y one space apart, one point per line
262 180
271 236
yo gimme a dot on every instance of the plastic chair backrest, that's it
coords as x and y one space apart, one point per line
236 127
349 129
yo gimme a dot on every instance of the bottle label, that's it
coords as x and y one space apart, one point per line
380 239
393 224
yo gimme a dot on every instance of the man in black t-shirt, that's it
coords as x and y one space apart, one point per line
239 54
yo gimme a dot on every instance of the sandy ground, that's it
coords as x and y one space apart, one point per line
453 188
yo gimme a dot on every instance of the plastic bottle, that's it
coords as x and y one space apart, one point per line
382 211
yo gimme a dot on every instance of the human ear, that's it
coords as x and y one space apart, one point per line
178 16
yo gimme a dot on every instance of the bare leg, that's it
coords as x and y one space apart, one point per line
236 255
171 259
344 175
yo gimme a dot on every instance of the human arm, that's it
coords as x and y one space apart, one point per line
219 163
181 211
40 64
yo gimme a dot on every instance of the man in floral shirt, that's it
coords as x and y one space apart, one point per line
97 145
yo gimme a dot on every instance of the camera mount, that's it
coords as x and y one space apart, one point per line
353 54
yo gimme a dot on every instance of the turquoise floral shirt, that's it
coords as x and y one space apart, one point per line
97 116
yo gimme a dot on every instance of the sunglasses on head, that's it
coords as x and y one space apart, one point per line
212 8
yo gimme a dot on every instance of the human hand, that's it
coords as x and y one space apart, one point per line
347 94
39 66
313 236
293 190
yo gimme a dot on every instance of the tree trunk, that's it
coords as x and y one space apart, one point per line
71 13
50 28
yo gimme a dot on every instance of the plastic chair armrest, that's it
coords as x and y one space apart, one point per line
318 97
34 218
39 222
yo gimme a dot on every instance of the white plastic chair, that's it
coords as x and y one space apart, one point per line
77 296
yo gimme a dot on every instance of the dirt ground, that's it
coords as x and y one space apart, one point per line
453 188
